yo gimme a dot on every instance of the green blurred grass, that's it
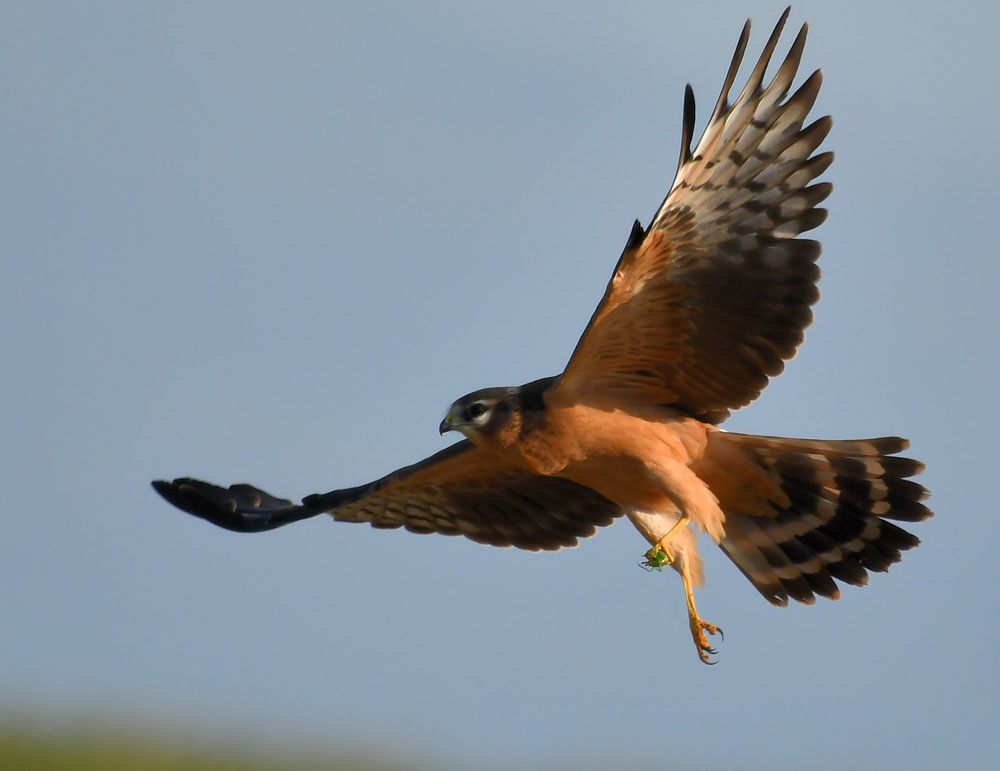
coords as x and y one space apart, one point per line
30 749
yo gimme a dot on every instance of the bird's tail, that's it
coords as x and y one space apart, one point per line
803 512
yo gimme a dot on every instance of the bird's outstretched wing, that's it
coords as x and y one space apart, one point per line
711 300
462 490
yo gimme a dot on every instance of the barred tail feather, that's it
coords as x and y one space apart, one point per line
826 517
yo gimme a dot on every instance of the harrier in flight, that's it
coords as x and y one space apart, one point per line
704 305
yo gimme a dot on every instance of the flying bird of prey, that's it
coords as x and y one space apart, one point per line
704 306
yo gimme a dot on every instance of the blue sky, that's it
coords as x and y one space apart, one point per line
249 242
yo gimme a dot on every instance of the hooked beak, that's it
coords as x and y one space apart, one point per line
446 425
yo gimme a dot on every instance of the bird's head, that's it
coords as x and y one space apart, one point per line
482 415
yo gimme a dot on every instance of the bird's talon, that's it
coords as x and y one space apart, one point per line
698 630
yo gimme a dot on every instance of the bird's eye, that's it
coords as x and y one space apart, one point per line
476 409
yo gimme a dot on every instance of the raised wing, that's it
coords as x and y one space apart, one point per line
462 490
710 301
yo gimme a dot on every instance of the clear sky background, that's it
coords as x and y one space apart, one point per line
271 243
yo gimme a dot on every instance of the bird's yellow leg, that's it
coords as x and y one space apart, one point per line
698 627
660 554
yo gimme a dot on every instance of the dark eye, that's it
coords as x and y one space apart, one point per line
476 409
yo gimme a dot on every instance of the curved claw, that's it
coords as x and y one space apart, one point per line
698 630
704 653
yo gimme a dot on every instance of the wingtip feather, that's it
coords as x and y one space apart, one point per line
734 66
687 128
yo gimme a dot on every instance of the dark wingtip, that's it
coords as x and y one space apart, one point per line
687 127
635 236
171 492
241 508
